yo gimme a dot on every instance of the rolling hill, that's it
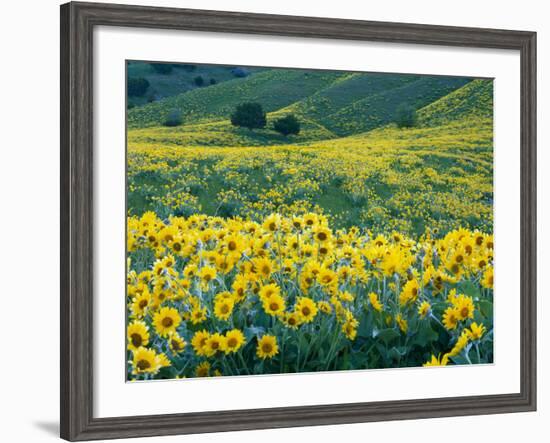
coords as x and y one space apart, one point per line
329 105
274 89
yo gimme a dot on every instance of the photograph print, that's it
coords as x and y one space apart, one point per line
296 220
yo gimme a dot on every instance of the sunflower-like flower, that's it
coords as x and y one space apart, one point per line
234 340
223 308
460 344
464 306
199 341
409 294
176 343
147 361
166 321
375 302
424 309
273 304
451 317
291 319
488 278
307 309
272 223
140 304
327 277
214 343
207 274
401 322
203 369
137 334
267 347
476 331
198 315
437 361
349 328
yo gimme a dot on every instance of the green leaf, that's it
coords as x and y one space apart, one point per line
425 335
486 308
469 288
397 353
252 332
386 335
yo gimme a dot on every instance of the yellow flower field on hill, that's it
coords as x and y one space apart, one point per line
347 239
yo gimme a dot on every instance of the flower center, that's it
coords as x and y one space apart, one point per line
142 365
267 348
232 342
167 322
306 311
136 340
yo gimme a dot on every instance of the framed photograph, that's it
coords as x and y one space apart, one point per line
273 221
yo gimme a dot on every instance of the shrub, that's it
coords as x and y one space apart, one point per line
137 86
199 81
213 81
162 68
173 118
287 125
249 115
405 116
240 72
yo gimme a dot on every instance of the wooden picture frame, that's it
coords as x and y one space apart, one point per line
77 23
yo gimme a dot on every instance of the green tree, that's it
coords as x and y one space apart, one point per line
249 115
405 116
287 125
137 86
199 80
173 118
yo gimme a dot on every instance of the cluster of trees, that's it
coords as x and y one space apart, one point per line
137 86
199 81
252 116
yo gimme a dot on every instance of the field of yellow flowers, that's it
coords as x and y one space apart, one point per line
354 244
252 254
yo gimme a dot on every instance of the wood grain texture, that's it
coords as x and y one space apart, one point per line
77 23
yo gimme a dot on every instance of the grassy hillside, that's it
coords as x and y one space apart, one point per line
380 109
438 174
181 79
222 133
473 101
345 91
274 89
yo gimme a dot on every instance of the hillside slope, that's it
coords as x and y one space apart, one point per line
274 89
472 101
380 109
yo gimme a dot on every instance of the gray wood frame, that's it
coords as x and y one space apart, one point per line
77 23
